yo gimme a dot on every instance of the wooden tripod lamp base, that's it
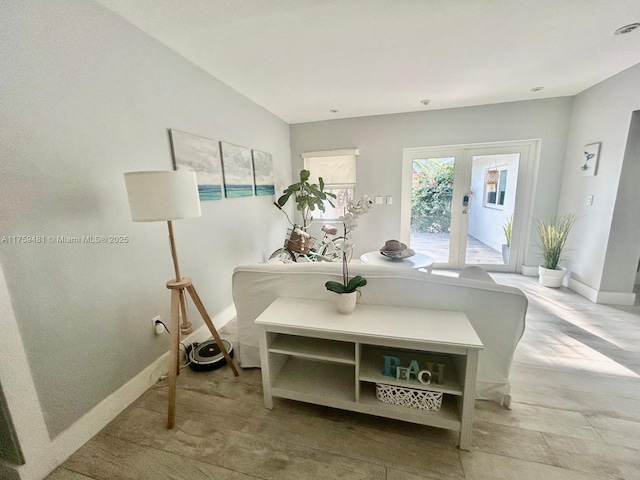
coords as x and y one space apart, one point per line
165 196
178 306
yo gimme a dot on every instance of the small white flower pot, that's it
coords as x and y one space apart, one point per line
347 302
551 278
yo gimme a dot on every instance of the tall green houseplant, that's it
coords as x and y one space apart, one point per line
308 197
553 237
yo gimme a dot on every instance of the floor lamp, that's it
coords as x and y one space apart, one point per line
167 196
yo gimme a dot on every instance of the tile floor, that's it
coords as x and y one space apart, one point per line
575 416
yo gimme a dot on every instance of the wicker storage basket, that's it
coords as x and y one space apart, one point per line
408 397
298 243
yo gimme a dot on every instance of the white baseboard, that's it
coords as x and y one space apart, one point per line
600 297
616 298
98 417
582 289
529 271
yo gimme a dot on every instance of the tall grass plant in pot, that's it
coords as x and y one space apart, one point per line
507 228
553 236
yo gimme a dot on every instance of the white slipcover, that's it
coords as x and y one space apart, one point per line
497 312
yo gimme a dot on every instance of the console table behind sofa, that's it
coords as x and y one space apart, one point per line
496 312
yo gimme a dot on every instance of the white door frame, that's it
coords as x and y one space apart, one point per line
527 175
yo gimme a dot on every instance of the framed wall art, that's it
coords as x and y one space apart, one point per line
201 155
589 160
263 173
236 170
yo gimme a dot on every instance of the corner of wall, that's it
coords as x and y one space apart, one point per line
21 397
601 297
43 455
97 418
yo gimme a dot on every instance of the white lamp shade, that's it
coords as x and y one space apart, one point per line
161 196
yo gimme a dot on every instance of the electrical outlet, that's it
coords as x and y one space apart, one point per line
157 326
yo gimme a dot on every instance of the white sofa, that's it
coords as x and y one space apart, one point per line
497 312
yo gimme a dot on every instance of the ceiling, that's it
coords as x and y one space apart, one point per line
300 59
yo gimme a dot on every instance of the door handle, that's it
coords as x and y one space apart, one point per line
465 201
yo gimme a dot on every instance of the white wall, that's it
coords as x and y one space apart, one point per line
604 245
85 96
381 139
624 243
486 223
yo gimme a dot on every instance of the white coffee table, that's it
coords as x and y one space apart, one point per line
418 260
311 353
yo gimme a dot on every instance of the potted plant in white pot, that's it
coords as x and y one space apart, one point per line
507 228
553 237
348 290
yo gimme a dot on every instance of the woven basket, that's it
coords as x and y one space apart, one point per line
491 177
408 397
299 243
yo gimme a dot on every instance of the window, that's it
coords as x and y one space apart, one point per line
338 171
495 187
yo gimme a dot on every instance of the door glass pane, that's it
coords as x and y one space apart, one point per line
431 195
493 196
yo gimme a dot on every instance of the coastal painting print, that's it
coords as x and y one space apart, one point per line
236 167
263 173
589 161
200 155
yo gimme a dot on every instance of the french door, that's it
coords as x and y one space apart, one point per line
467 205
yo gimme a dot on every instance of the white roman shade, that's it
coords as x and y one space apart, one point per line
336 167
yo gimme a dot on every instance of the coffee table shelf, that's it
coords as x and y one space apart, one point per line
448 417
315 348
310 353
314 382
371 371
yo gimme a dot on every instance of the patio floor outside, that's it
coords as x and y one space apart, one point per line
436 245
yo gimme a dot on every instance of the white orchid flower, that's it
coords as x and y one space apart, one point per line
349 220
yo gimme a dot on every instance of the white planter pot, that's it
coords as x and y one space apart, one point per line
551 278
347 302
505 253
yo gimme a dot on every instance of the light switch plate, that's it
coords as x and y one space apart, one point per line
590 200
389 200
378 200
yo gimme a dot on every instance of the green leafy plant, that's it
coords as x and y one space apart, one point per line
308 196
346 287
553 236
507 227
431 197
